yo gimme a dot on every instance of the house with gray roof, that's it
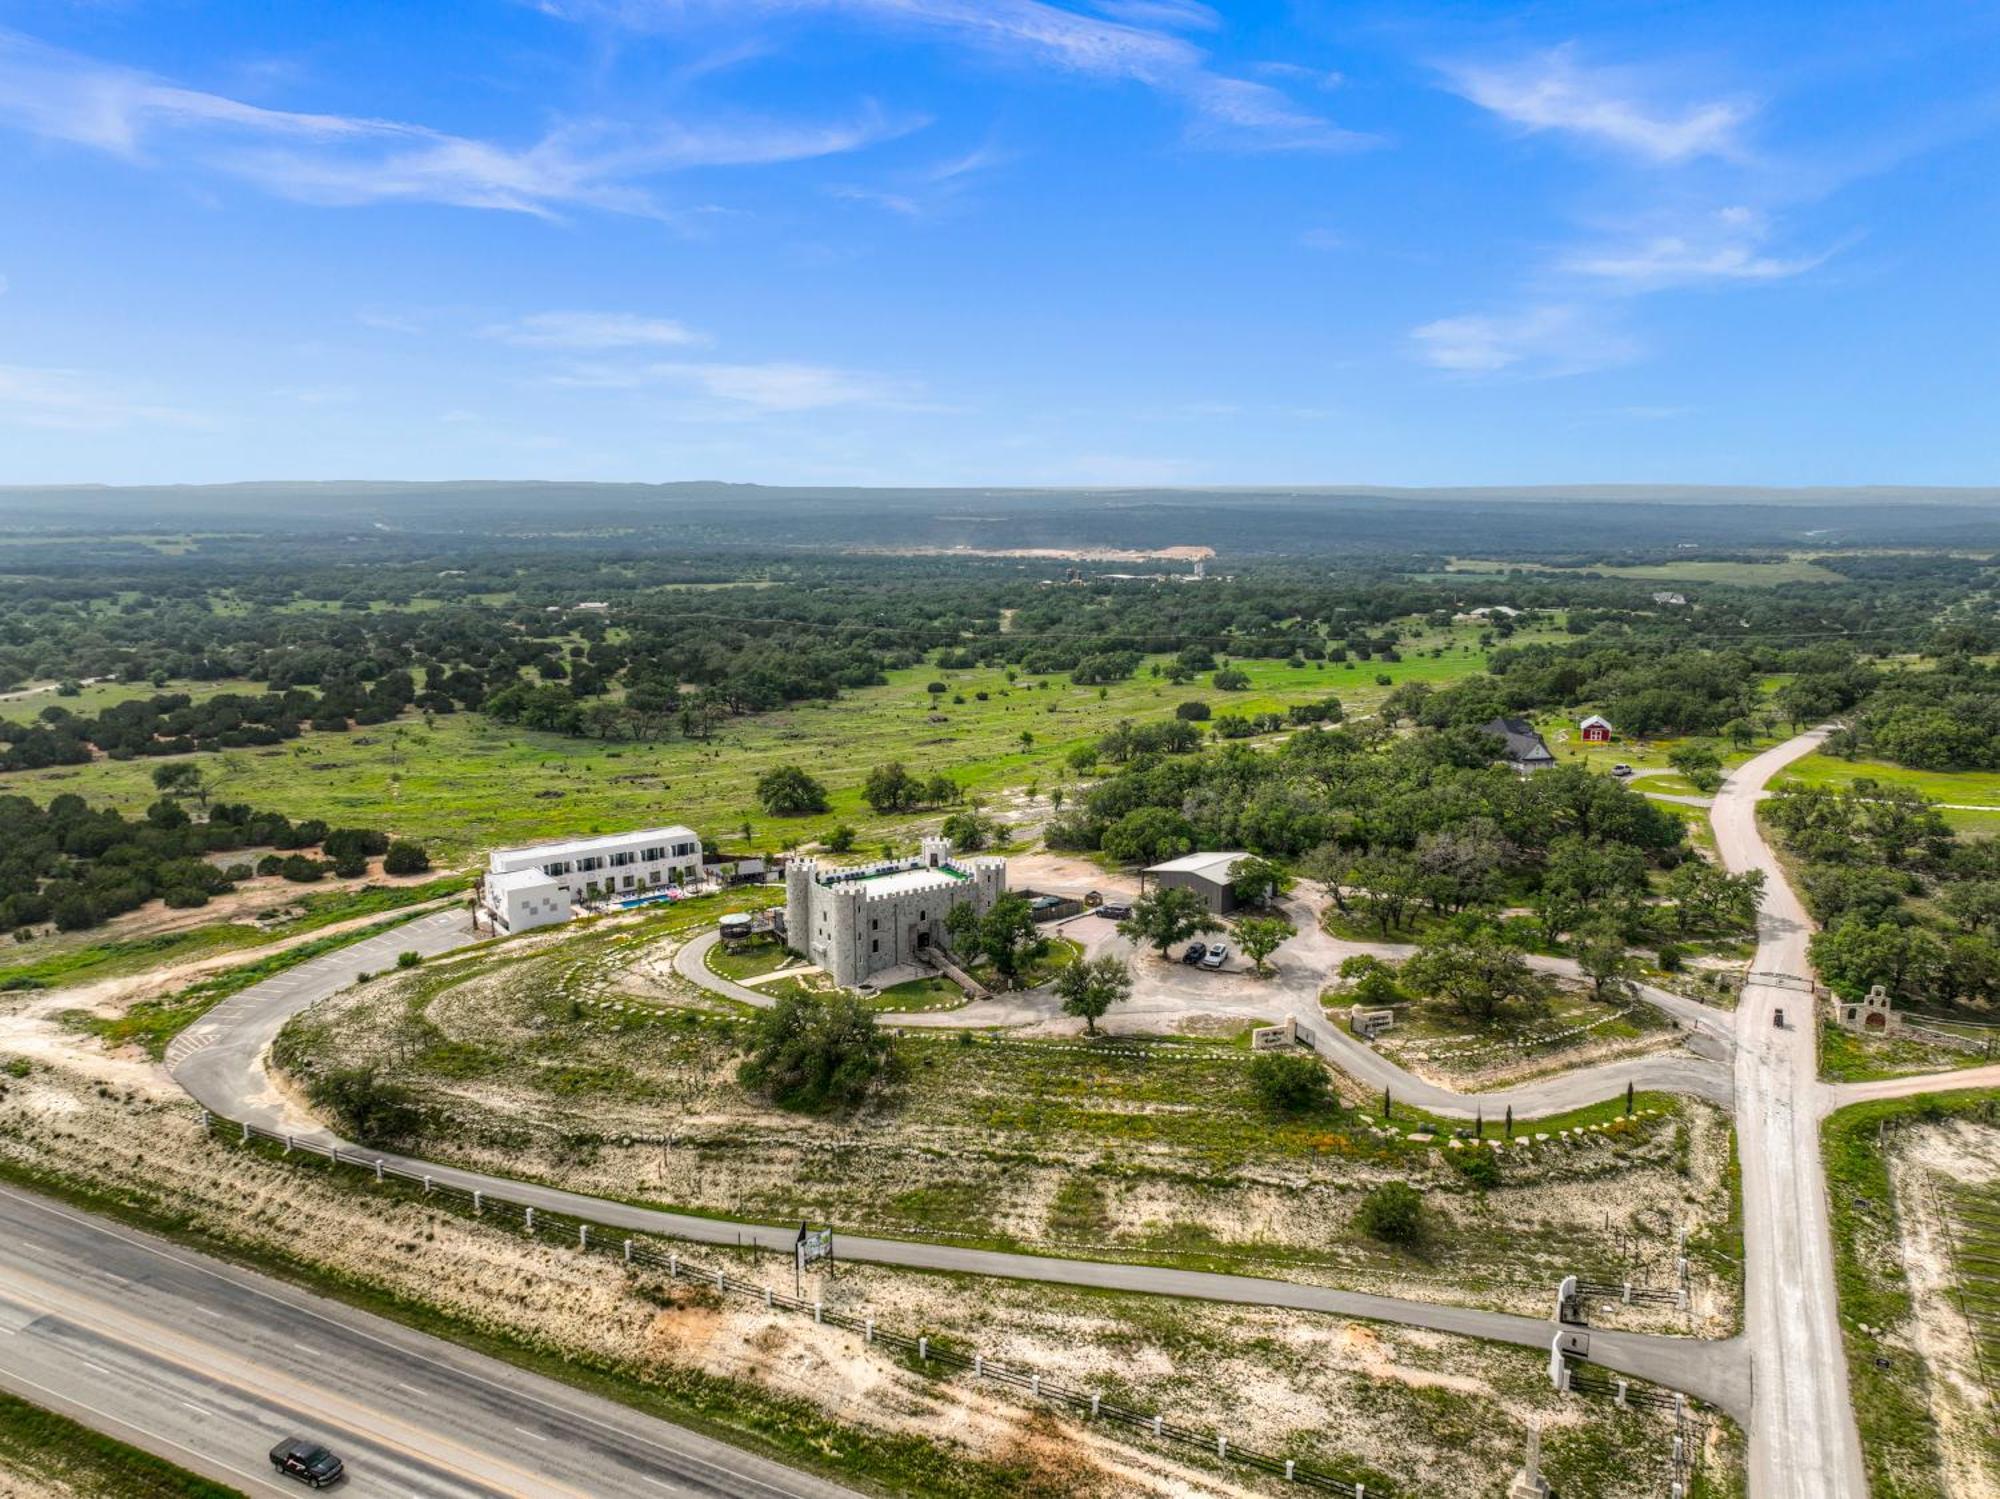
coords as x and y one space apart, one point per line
1525 748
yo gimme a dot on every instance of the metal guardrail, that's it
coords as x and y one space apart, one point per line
1087 1403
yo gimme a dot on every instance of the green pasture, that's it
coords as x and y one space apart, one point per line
1965 788
98 696
465 783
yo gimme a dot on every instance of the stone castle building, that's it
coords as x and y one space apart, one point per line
857 921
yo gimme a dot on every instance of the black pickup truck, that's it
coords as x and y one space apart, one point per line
307 1461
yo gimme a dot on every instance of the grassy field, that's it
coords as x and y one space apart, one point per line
39 1445
1847 1058
467 783
97 696
1965 788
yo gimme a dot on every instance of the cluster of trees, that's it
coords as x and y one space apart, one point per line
76 866
1942 719
1901 901
819 1052
1425 823
1005 936
1645 686
896 788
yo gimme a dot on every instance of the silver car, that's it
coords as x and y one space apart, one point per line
1216 956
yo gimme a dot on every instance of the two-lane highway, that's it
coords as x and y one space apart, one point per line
208 1365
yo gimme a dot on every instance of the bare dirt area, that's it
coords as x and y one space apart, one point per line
1408 1412
587 1062
1932 1166
1067 874
16 1483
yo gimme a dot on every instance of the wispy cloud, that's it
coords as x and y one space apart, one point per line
339 159
73 401
1550 339
594 330
1612 106
902 203
927 190
767 388
1181 15
1723 247
1134 41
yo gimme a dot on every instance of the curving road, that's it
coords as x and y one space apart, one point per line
221 1062
208 1365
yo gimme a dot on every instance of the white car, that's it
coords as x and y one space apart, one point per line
1216 956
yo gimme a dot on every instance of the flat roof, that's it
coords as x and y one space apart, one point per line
518 879
569 847
1214 867
903 881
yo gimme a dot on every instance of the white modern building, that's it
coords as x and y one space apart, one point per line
543 883
855 922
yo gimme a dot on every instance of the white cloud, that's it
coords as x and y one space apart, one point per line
776 386
1552 91
338 159
895 202
1323 78
594 330
1723 247
1133 48
1552 339
1671 260
70 401
784 387
389 322
1182 15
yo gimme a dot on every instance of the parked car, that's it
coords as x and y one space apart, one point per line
1195 953
1115 910
1217 956
1778 1018
307 1461
1621 769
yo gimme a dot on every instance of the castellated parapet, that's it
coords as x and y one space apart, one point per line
855 921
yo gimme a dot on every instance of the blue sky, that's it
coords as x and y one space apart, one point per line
1000 241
